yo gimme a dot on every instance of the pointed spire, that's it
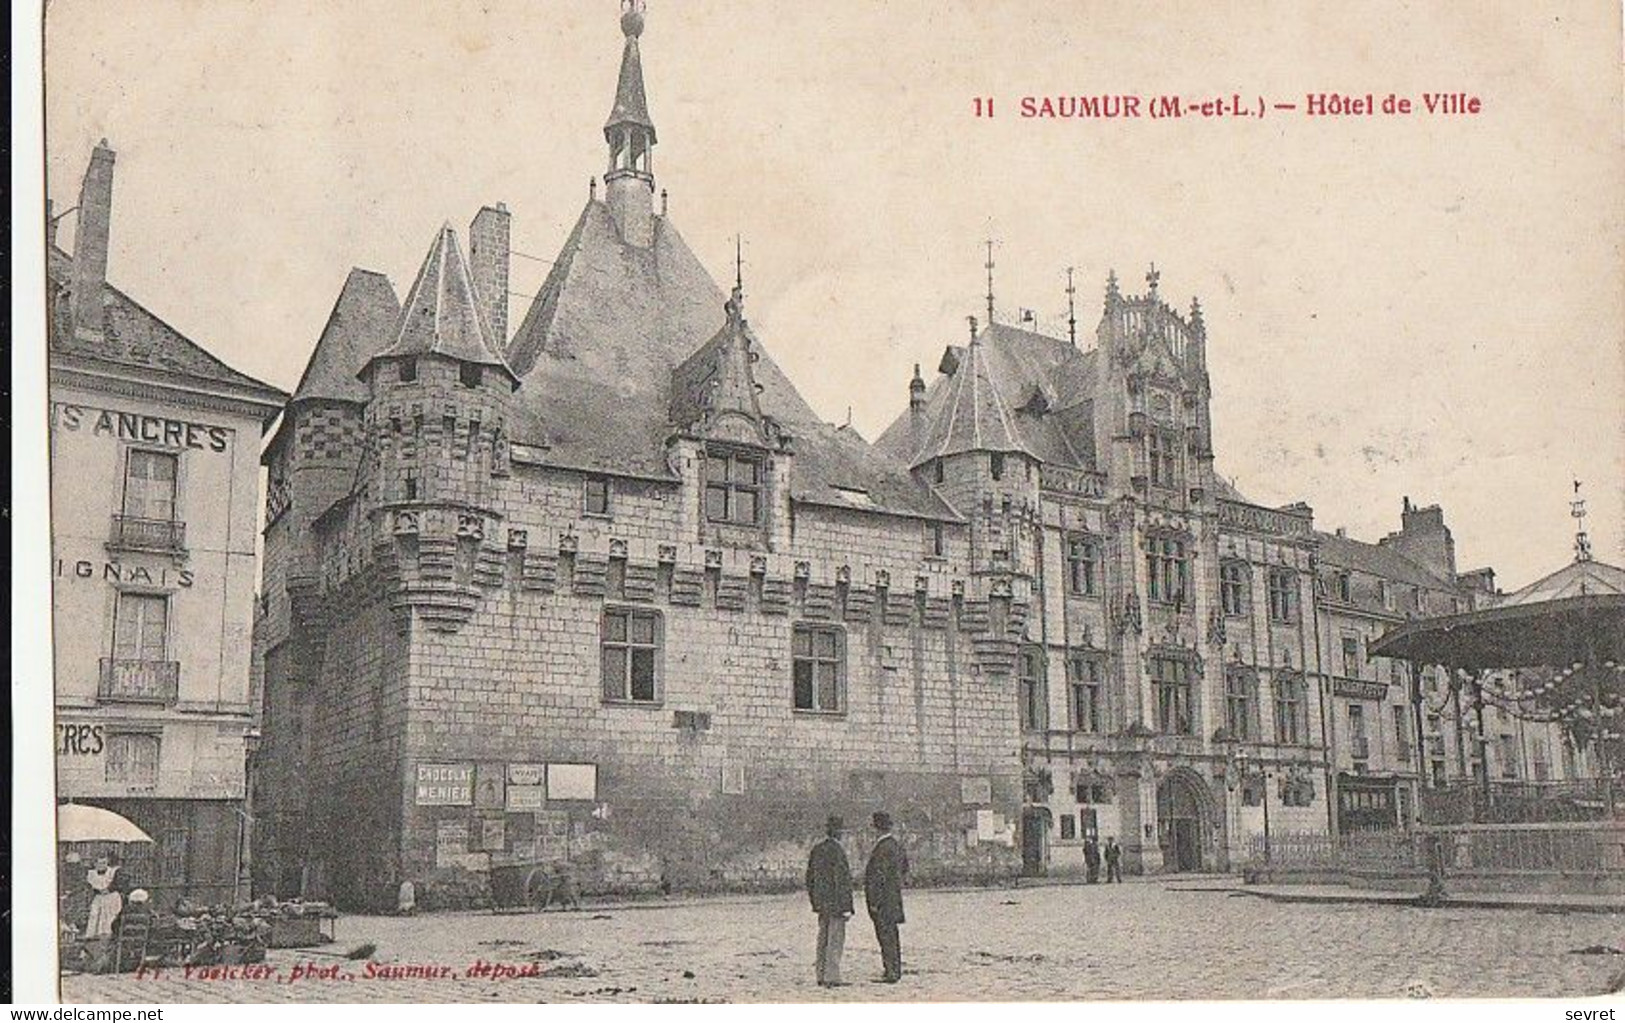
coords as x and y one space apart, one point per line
1196 317
1152 276
630 131
718 382
916 390
1113 294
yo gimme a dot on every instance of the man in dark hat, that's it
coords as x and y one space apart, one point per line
883 878
829 886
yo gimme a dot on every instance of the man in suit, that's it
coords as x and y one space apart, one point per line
883 878
1114 861
1091 859
829 886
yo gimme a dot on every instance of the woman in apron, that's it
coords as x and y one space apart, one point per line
106 902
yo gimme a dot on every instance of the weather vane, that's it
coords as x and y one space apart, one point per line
1577 510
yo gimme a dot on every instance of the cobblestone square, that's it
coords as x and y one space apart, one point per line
1145 940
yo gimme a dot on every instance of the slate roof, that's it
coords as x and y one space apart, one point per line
441 315
135 337
1375 559
1012 390
1576 579
597 353
362 321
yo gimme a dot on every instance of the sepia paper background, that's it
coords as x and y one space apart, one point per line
1422 306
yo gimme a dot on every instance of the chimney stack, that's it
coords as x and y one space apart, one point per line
90 242
488 258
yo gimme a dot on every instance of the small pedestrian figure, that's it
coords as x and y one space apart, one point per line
1114 861
1091 860
883 878
406 900
829 886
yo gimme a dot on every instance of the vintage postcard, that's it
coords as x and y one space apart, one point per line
734 501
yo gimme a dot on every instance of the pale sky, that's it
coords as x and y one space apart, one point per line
1422 306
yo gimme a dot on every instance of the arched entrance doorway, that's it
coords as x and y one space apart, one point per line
1182 820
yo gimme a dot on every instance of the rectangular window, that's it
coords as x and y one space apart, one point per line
1385 593
1351 657
149 485
1085 678
172 847
1082 566
1240 697
733 488
596 496
468 374
409 370
820 669
141 627
1509 756
629 653
1170 678
1359 744
1283 603
1233 588
936 542
1539 760
1344 587
1167 569
1162 459
1069 827
1289 726
996 465
132 758
1031 691
1402 735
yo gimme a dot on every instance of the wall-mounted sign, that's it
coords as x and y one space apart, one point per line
973 791
489 782
450 843
526 798
572 781
173 433
117 572
527 774
79 740
445 785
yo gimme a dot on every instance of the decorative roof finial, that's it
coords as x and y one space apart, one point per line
1582 542
739 264
1152 276
1113 295
632 18
592 189
1071 309
664 197
990 282
972 320
1196 314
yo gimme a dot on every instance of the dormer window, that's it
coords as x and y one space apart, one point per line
733 487
996 465
409 370
468 375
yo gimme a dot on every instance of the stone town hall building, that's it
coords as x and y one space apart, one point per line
604 588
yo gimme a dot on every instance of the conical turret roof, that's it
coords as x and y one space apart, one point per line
441 315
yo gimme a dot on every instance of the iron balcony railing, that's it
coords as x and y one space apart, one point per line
133 533
132 680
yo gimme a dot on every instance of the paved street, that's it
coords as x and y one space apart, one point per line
1135 941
